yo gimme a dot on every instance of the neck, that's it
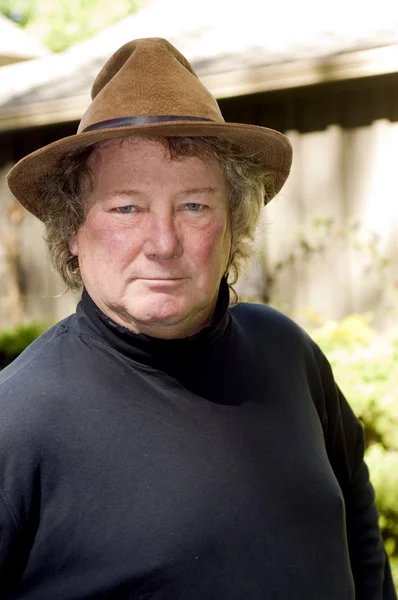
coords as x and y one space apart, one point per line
187 327
151 350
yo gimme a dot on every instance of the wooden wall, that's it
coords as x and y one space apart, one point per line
337 217
327 244
29 289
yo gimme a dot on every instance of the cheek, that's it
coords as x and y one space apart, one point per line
212 245
109 244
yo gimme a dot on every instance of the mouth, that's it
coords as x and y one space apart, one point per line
162 280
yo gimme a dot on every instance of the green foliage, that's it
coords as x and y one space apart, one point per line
365 365
63 23
20 11
14 341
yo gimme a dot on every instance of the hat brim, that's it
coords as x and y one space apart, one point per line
272 149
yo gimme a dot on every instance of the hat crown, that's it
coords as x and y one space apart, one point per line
147 88
149 49
149 77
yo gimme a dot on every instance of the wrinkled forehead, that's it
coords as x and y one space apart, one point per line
171 148
139 156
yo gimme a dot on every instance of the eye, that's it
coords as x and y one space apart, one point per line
194 207
124 210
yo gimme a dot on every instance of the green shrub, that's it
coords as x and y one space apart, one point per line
365 365
14 341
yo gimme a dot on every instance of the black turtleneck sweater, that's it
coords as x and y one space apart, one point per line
195 469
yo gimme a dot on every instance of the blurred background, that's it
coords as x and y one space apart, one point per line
326 251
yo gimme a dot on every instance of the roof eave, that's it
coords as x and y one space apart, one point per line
352 65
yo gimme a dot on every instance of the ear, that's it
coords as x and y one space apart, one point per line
231 254
73 244
234 243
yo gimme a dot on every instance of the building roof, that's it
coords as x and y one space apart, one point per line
16 44
236 48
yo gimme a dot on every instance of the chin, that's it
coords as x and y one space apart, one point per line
160 312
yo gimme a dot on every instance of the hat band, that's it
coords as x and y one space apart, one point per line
143 120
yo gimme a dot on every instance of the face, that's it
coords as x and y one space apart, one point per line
156 239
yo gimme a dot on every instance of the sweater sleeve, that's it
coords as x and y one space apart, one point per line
13 553
345 444
20 491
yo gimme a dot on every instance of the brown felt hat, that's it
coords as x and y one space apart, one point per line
148 88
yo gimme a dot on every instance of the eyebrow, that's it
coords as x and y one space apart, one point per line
204 190
130 192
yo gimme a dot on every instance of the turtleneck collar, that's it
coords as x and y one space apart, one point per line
156 351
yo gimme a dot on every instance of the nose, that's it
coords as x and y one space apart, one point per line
162 240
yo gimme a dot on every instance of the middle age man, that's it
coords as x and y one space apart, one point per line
160 443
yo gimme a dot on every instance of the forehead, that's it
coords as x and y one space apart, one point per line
143 159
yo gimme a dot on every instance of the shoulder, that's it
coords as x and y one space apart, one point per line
31 384
263 321
283 344
41 351
30 389
272 333
261 313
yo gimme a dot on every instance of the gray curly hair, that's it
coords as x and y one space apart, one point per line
63 195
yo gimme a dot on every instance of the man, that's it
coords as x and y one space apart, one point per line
160 444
